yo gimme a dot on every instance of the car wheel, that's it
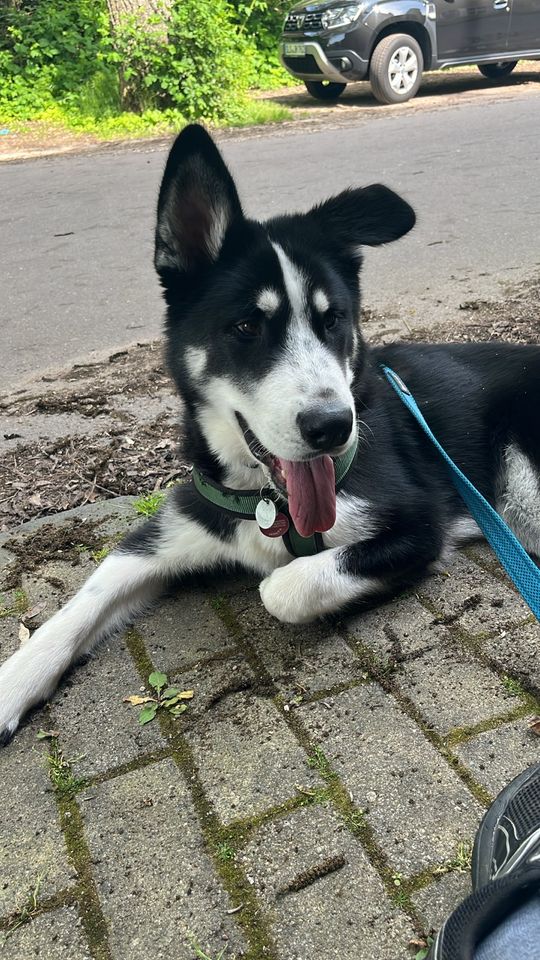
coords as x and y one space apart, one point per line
324 89
493 71
396 68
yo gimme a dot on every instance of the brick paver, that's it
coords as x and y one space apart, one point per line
389 766
317 799
156 882
32 849
57 935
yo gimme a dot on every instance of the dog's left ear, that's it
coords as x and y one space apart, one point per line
368 215
197 204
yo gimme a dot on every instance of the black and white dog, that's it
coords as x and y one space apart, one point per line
278 384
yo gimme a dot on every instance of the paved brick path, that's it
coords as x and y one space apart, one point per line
316 801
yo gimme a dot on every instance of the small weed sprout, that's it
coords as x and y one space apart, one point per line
165 698
26 912
513 686
148 505
423 952
201 955
17 607
225 852
460 863
62 777
317 761
99 555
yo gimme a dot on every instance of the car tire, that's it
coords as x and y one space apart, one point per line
324 90
396 67
495 71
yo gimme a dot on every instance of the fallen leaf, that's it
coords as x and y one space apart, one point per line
136 701
35 500
534 726
171 701
47 734
33 611
24 633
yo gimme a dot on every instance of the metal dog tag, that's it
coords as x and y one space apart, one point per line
265 513
279 527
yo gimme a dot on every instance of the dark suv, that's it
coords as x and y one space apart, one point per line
390 42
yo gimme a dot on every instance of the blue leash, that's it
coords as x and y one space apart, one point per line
513 557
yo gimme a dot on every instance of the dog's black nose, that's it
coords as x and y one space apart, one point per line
326 427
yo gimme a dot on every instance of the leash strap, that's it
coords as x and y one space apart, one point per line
513 557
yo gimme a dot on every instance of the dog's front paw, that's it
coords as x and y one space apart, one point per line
22 686
284 593
10 712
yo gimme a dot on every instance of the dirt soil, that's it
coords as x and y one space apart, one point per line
440 90
100 430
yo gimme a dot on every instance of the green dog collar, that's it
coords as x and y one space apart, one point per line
243 503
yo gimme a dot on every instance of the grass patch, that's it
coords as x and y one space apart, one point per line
201 955
149 504
55 121
319 762
225 851
460 862
14 607
26 912
512 686
99 555
64 781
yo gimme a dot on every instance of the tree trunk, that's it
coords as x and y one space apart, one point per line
143 11
142 8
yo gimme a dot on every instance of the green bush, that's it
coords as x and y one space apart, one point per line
260 21
48 51
195 61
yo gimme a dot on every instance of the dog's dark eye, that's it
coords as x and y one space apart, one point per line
249 329
330 320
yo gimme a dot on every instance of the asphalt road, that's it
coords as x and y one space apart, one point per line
76 232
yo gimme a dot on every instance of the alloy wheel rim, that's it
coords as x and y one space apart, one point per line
403 70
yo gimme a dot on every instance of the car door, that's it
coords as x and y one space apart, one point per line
524 25
472 28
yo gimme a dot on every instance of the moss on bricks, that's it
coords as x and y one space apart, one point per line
240 832
386 681
462 734
250 918
65 786
93 921
32 906
139 654
138 763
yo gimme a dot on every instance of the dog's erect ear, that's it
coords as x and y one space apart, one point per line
367 215
197 203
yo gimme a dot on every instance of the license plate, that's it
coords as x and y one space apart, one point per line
294 49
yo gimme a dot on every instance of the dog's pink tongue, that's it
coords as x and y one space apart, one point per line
311 488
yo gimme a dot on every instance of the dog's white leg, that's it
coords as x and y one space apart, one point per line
166 547
311 587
